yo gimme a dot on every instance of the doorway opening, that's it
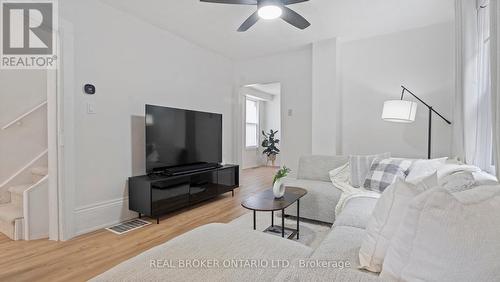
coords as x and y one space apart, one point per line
261 120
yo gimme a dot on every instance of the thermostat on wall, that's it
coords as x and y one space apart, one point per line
89 89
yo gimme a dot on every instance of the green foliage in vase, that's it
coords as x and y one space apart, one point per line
270 143
282 172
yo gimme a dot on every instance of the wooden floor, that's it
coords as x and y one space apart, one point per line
89 255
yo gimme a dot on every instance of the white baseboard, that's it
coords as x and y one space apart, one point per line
101 215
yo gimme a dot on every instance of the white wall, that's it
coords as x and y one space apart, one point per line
132 63
293 71
372 71
326 120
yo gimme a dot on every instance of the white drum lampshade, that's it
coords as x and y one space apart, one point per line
399 111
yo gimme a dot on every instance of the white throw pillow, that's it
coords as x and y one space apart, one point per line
423 168
447 236
360 165
386 218
484 178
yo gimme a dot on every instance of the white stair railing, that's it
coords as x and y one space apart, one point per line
21 117
25 167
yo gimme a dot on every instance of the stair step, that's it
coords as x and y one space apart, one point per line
9 213
19 190
41 170
38 173
16 194
17 199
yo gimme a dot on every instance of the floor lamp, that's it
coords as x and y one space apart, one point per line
403 111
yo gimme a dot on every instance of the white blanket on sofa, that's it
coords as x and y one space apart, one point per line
340 178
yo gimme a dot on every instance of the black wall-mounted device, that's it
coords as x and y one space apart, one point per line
89 89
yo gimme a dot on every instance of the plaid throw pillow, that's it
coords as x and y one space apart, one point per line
385 172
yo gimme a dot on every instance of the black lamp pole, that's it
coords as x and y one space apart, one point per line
431 110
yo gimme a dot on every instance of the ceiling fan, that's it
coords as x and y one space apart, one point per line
269 9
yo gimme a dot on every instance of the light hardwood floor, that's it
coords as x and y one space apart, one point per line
91 254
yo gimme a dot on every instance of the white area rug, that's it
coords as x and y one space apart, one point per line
311 234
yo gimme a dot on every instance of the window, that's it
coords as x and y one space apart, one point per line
252 123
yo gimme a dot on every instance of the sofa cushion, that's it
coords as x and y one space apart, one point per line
324 273
340 249
342 243
356 212
317 167
386 218
447 237
217 243
319 202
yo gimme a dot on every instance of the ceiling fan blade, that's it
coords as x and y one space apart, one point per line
249 22
294 19
289 2
239 2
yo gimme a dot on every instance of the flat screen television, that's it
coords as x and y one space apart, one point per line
177 137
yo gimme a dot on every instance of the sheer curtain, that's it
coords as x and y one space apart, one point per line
472 129
495 83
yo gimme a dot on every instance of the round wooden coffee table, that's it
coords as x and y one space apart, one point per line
265 201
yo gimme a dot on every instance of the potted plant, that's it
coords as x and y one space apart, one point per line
278 185
270 144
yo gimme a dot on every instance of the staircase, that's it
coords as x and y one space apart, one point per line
12 213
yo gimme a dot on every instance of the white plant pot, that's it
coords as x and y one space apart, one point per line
279 188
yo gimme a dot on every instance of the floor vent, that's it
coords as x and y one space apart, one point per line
128 226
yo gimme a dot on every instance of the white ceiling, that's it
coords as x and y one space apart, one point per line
269 88
213 26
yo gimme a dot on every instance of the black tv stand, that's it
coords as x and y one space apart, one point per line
157 194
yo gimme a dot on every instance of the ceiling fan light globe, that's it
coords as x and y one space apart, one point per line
270 12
